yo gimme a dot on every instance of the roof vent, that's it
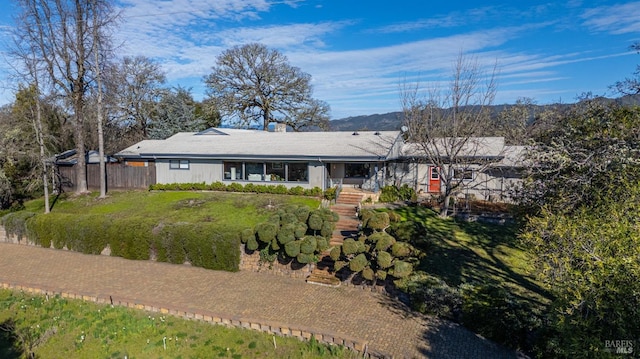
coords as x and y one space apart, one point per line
377 133
355 133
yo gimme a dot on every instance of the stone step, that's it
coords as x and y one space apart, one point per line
349 198
347 211
322 274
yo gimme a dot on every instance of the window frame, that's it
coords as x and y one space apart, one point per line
179 164
464 172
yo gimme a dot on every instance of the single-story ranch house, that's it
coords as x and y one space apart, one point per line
365 159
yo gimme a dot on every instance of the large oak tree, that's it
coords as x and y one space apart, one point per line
252 84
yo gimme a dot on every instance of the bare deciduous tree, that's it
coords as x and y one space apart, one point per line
61 35
135 86
255 84
445 126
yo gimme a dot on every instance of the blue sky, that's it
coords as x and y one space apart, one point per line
359 53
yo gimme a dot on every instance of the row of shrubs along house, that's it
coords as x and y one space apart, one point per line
364 159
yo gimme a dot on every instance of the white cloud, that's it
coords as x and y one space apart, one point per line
615 19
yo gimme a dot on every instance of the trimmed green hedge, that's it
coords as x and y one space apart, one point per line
238 187
202 244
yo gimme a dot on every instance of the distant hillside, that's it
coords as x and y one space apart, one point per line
379 122
393 120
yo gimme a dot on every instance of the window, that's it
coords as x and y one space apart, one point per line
464 174
358 170
434 173
266 171
233 170
179 164
254 171
297 172
275 171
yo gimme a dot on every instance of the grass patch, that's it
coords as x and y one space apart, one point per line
239 209
61 328
478 274
475 252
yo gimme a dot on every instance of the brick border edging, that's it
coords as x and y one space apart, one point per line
280 329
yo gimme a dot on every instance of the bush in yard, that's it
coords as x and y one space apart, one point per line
389 194
292 249
246 235
377 255
330 193
379 221
302 213
315 221
308 245
15 223
358 263
296 191
287 233
293 232
267 231
300 230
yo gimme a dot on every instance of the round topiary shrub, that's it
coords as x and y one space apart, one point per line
327 229
384 242
358 263
246 235
275 245
401 249
350 246
305 258
302 213
300 230
394 217
379 221
286 233
335 253
275 218
384 260
292 249
368 273
315 221
381 274
266 231
252 244
308 245
323 243
401 269
288 218
365 214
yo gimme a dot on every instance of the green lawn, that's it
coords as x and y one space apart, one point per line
240 210
476 253
60 328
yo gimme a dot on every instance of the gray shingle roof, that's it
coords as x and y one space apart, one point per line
223 143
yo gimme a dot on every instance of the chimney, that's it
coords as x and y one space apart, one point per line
280 127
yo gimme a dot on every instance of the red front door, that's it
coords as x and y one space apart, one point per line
434 180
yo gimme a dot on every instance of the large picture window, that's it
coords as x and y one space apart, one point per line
233 170
254 171
297 172
275 171
266 171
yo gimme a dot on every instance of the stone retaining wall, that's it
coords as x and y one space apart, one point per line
250 261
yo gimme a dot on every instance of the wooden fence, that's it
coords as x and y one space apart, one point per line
119 176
